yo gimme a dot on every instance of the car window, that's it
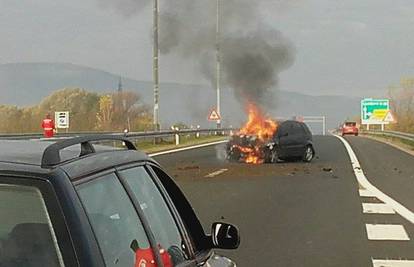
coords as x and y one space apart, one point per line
27 237
351 124
198 237
306 129
297 128
157 212
283 129
118 229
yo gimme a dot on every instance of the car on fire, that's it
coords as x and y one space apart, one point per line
291 140
349 128
78 203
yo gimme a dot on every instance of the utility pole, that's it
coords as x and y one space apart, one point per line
156 66
218 62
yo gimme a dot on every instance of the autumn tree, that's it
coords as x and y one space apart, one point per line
402 105
122 110
81 104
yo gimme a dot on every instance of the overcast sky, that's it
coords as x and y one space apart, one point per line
348 47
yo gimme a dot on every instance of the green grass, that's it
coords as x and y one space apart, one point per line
395 140
148 146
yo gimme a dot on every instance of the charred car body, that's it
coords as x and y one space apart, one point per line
291 140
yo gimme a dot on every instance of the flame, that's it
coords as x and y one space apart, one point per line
260 126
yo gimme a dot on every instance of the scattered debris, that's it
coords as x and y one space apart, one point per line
327 169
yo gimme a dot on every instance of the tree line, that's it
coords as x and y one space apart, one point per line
402 105
88 111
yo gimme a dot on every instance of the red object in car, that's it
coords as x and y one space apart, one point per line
350 128
146 258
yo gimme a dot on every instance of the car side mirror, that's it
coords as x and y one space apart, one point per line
225 236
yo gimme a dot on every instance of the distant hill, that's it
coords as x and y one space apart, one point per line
25 84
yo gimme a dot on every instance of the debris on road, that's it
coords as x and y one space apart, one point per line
327 169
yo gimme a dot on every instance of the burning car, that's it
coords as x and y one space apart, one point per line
263 140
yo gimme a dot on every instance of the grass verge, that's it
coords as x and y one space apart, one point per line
400 143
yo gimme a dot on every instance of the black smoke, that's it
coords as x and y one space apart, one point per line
252 52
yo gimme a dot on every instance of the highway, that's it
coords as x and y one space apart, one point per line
297 214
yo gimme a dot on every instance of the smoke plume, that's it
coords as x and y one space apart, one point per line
252 53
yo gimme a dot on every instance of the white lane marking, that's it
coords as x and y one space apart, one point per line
213 174
392 263
378 208
366 193
386 232
186 148
363 181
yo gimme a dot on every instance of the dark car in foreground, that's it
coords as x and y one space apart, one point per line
292 140
76 203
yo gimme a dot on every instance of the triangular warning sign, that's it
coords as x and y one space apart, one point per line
389 117
214 116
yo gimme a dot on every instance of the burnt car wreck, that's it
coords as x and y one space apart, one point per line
291 140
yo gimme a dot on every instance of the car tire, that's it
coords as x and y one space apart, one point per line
356 134
234 155
308 154
271 156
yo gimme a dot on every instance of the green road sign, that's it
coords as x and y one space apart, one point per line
374 111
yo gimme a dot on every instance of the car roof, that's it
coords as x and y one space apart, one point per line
26 155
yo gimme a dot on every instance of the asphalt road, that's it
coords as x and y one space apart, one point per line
299 214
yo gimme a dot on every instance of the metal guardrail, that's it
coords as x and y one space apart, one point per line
132 135
401 135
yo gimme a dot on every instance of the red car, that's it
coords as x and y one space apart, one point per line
349 127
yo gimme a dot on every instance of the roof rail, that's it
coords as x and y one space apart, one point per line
51 155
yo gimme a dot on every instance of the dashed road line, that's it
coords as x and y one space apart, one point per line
377 208
394 232
366 193
363 181
216 173
392 263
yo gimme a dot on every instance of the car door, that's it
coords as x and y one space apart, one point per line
32 227
299 139
286 139
166 226
201 243
119 229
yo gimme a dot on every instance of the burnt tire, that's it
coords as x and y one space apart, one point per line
308 154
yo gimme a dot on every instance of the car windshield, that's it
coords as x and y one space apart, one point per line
293 119
350 124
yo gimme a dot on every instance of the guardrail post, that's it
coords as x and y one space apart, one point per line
198 133
177 137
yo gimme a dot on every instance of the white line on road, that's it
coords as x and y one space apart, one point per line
213 174
386 232
186 148
378 208
359 174
392 263
366 193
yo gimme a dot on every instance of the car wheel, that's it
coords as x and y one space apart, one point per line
271 156
308 154
356 134
234 155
